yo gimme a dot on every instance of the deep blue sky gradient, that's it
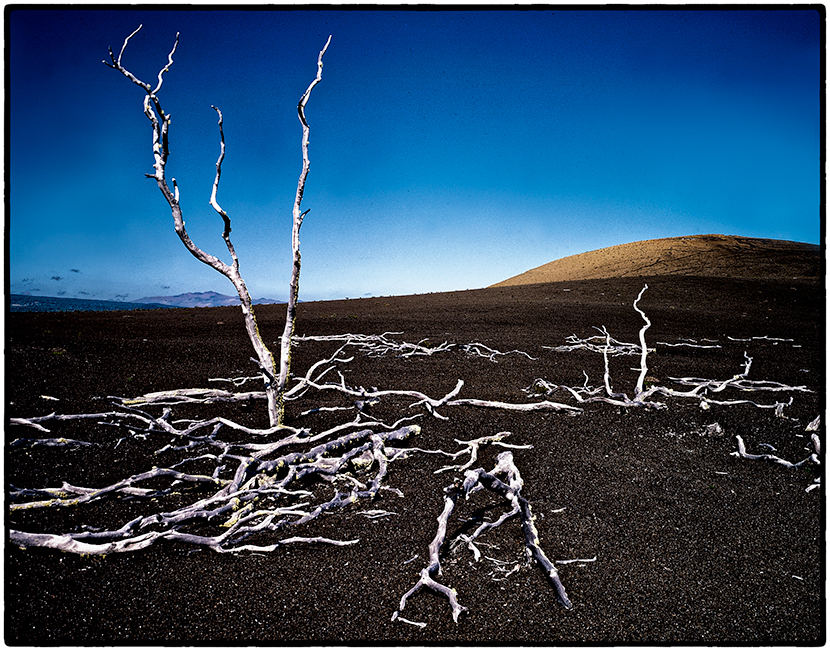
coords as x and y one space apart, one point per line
449 149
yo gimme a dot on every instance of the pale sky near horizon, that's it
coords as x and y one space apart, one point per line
449 149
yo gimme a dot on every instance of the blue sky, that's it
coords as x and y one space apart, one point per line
449 149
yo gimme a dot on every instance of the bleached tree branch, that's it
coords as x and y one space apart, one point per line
298 216
643 349
814 457
475 480
249 500
161 125
642 395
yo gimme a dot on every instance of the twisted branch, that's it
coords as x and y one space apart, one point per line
813 458
642 395
251 500
294 289
474 481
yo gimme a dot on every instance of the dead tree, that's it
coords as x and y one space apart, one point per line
510 489
274 381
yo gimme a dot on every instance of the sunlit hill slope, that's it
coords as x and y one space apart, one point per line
694 255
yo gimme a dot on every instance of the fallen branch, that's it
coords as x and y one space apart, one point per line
643 394
252 496
814 458
451 495
380 345
51 443
473 447
603 343
477 480
480 350
512 492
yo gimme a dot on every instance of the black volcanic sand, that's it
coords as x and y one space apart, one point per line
693 545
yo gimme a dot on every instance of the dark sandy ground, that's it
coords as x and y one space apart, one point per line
693 545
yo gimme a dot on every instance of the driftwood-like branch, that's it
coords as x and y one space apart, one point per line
425 580
512 492
480 350
449 400
602 343
47 443
643 349
36 421
510 489
474 445
256 498
738 381
813 458
643 395
197 396
612 347
380 345
298 216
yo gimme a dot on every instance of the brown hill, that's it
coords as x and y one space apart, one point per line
728 256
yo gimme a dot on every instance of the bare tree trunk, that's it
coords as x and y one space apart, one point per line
264 355
161 125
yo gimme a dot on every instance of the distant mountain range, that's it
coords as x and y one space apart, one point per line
200 299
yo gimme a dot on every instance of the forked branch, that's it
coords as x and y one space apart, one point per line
161 152
510 489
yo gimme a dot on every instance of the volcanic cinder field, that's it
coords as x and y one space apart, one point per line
675 538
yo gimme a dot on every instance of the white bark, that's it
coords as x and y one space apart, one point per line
425 578
161 125
512 492
643 348
741 452
510 489
248 502
643 396
294 289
